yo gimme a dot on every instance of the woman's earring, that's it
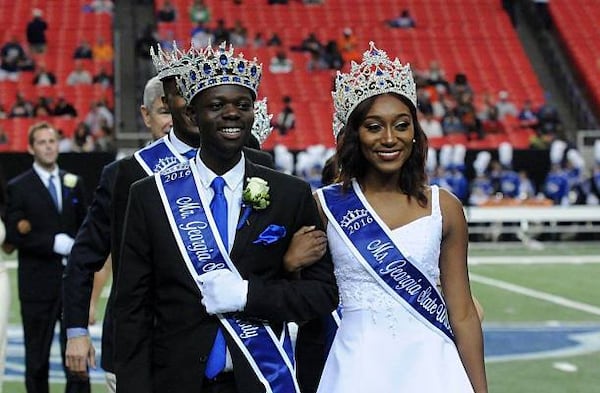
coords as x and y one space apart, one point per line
414 141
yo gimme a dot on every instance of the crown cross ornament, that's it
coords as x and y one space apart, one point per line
213 67
171 63
377 74
261 129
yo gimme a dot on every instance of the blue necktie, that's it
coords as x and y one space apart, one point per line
190 154
53 192
218 206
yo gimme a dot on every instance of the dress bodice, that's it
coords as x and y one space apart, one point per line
418 240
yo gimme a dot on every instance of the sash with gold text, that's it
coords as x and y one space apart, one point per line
370 242
203 250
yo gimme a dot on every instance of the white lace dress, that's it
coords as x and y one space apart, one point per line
379 346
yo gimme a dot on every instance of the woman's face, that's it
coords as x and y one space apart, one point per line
386 135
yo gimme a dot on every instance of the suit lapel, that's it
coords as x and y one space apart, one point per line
247 229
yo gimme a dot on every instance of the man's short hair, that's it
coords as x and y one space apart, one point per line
152 91
35 128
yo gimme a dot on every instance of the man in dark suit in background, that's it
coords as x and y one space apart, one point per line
166 304
45 208
92 248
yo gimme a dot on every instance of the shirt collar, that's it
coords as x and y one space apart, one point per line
178 144
233 178
43 173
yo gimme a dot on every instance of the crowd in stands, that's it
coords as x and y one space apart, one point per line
40 90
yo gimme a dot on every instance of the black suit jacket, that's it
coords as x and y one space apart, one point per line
40 268
163 333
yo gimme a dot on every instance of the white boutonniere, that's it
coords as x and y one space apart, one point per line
256 193
70 180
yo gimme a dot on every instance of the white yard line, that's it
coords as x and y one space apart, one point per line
561 301
526 260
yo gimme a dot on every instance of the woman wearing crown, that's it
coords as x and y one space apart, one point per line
391 237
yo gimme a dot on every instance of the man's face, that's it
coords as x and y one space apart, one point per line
176 103
224 114
45 147
157 118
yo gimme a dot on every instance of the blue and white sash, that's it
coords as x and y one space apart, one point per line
158 156
371 243
203 250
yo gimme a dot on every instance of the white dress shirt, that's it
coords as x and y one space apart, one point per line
45 176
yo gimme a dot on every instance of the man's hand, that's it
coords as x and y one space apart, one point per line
223 291
79 354
23 227
308 245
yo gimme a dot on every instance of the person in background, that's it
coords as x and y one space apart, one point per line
46 207
36 32
90 265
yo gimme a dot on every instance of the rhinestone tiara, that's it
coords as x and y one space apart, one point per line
171 63
261 128
212 67
377 74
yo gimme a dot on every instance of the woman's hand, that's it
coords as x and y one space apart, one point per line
308 245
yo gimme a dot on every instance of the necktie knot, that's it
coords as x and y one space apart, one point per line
190 154
218 185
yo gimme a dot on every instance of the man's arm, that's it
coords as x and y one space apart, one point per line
88 255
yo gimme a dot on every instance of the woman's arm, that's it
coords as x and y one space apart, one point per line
456 288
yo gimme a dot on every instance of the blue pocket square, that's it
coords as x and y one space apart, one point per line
270 235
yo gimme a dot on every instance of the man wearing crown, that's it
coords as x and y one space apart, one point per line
202 297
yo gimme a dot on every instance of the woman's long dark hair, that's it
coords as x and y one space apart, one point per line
352 163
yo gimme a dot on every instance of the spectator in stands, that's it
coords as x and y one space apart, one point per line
435 75
21 107
64 108
104 141
332 56
220 33
403 21
167 13
82 141
3 136
275 40
43 77
36 32
12 56
83 51
147 40
286 119
3 114
42 107
280 63
505 106
452 124
348 46
102 51
316 62
64 144
277 1
79 76
468 116
461 85
99 116
103 78
493 125
309 44
100 6
527 116
238 35
430 125
258 41
199 12
201 36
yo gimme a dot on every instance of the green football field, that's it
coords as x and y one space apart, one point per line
542 317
